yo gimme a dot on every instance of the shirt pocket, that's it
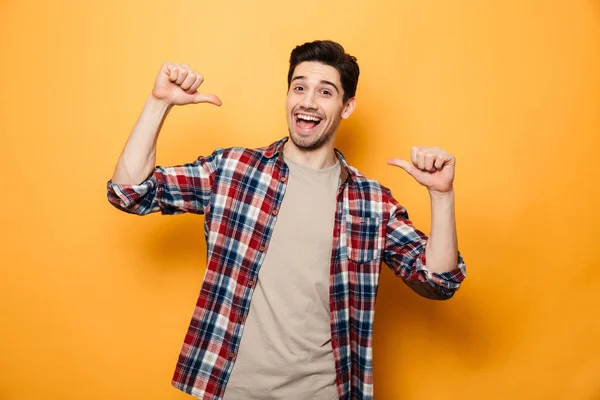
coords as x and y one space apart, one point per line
363 238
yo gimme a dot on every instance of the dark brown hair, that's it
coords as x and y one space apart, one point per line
332 54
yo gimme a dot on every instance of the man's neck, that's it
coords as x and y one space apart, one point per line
323 157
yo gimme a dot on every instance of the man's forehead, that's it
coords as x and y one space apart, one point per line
316 71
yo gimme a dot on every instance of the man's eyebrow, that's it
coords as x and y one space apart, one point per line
330 83
324 82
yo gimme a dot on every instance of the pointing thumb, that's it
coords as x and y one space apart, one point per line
405 165
206 98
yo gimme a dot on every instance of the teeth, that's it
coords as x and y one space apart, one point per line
308 118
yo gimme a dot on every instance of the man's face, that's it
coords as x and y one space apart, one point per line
315 105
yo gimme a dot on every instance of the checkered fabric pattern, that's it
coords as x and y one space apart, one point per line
239 191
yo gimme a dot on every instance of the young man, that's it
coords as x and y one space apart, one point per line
295 239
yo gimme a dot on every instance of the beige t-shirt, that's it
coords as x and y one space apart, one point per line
285 351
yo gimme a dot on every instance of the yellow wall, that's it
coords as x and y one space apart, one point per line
94 303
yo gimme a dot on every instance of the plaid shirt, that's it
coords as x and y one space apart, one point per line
239 191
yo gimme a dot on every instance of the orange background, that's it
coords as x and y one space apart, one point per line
95 303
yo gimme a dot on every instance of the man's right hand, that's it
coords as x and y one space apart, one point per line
177 84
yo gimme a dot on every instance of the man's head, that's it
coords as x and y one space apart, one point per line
322 82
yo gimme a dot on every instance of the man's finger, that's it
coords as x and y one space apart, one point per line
421 160
181 75
172 73
405 165
429 162
413 155
196 85
188 82
439 162
206 98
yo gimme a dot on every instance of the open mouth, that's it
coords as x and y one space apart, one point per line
307 122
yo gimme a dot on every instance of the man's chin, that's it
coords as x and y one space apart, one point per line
308 142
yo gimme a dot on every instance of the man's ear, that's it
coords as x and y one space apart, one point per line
349 108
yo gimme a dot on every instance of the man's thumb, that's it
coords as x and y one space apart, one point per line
206 98
405 165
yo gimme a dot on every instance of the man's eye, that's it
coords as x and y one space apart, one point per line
326 92
298 88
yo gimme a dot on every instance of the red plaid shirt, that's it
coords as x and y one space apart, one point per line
239 191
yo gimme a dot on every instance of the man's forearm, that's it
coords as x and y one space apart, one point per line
442 247
138 158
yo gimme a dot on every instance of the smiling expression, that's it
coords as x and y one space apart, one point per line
315 105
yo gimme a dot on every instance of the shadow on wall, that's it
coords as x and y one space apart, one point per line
453 324
176 240
351 137
466 331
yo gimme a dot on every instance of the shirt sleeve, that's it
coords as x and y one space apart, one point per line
170 190
404 253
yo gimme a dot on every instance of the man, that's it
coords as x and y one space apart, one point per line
295 239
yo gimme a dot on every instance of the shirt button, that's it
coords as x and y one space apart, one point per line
283 179
251 283
231 355
274 212
261 249
240 320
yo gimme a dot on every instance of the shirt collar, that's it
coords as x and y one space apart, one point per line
276 150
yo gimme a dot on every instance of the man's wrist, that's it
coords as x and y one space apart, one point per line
441 196
158 104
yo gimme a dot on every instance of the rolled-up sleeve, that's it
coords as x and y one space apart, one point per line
405 254
170 190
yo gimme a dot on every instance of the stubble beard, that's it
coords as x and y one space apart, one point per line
315 142
308 143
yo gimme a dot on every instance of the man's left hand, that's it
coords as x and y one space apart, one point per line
432 167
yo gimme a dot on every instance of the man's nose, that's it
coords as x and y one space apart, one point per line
308 100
